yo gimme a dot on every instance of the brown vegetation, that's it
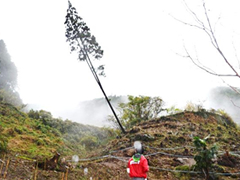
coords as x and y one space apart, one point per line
168 147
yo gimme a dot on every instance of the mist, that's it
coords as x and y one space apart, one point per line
96 111
91 112
226 99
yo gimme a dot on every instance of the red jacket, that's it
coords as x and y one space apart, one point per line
139 168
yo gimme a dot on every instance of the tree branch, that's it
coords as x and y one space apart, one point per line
205 68
210 33
215 40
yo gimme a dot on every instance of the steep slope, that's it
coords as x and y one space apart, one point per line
168 143
28 139
38 135
20 134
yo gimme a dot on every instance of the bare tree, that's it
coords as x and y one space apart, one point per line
206 26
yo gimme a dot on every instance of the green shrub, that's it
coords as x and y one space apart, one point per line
3 144
19 129
182 175
204 155
89 142
173 110
40 142
138 109
10 132
32 149
227 119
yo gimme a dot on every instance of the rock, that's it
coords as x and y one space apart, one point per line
187 161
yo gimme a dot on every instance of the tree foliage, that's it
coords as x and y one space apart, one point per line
173 110
74 134
8 78
8 70
80 40
90 142
139 109
190 106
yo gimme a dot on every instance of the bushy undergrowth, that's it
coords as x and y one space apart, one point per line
37 133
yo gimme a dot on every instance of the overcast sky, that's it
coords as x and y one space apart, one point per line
140 40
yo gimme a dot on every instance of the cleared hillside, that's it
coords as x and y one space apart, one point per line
168 143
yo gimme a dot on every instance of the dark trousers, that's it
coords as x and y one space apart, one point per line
138 178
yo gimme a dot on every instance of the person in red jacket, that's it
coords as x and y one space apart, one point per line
138 164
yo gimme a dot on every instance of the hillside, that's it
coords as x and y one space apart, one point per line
38 135
22 135
168 143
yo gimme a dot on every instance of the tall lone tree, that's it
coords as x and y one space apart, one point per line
80 40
